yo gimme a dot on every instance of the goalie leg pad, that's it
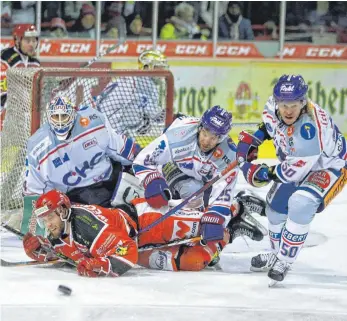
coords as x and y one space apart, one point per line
127 189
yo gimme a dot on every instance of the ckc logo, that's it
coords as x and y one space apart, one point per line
81 172
287 88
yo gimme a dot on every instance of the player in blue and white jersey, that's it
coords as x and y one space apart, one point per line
311 172
78 153
191 152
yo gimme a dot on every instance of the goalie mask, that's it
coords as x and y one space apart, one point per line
53 210
61 115
152 59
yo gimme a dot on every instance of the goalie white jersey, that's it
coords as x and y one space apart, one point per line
81 160
178 149
131 104
312 143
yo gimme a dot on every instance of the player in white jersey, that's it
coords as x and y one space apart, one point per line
132 104
191 152
312 169
78 153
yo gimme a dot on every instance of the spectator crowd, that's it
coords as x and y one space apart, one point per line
248 20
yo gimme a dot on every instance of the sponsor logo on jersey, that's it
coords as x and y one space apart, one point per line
160 261
226 159
182 150
90 143
59 161
290 131
231 177
299 163
218 153
93 117
320 180
41 147
73 178
152 159
122 250
307 131
186 165
84 121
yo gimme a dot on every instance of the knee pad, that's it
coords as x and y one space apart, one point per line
302 207
274 217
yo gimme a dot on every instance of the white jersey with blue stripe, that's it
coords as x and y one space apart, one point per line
312 143
81 160
179 144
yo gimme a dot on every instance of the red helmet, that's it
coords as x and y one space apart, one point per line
25 30
49 202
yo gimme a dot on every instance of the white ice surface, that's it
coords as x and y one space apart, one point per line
314 290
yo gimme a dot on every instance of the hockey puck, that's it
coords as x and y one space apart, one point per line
64 290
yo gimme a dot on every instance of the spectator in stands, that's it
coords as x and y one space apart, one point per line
23 12
84 26
232 25
116 25
72 9
182 25
6 19
58 28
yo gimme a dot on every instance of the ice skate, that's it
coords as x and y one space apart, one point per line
262 262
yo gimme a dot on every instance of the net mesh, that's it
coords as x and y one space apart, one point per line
136 103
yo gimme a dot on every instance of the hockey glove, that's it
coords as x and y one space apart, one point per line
247 148
157 192
94 267
255 174
32 247
211 227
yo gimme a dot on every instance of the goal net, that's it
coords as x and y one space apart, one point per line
136 103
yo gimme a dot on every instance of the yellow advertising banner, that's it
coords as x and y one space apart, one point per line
243 87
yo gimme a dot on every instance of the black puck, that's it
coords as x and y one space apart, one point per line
64 289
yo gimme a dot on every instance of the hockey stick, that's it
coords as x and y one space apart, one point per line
101 54
149 247
26 263
223 175
46 248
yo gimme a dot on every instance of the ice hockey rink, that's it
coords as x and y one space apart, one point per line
314 290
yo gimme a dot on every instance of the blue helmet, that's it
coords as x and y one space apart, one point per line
61 115
290 88
218 121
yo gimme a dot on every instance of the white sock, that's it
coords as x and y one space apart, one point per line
292 240
275 236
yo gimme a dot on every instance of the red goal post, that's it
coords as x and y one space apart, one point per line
138 103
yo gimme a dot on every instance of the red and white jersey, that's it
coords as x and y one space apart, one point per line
312 143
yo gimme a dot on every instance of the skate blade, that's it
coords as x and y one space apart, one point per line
272 283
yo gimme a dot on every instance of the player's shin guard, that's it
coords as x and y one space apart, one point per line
275 231
264 261
292 241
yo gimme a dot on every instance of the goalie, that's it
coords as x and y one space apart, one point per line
132 104
77 152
